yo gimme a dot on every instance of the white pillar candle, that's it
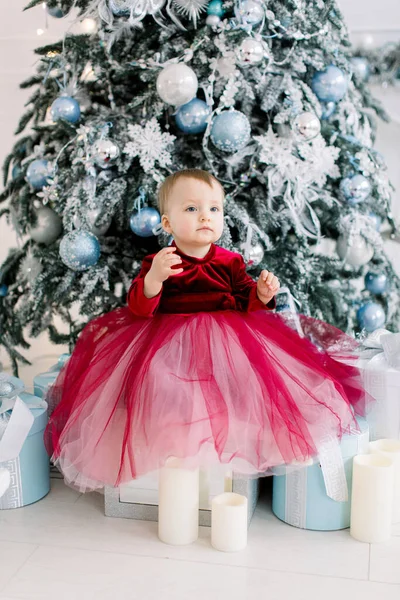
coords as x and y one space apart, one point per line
229 522
178 504
372 498
391 449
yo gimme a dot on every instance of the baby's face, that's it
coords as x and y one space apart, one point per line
195 212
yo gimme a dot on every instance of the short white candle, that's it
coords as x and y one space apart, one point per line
372 498
391 449
178 505
229 522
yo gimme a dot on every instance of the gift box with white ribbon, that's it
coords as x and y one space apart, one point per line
300 497
23 418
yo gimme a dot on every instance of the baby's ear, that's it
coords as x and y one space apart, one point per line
166 224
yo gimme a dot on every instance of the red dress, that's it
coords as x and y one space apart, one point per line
204 372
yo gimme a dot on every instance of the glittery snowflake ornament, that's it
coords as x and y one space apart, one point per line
191 8
150 144
30 267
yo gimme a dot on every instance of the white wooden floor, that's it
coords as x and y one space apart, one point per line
64 547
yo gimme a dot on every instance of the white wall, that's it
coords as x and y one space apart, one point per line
370 22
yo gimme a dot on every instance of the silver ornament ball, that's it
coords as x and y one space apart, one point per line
256 255
355 189
6 388
48 226
91 217
105 152
356 252
249 12
177 84
251 52
306 126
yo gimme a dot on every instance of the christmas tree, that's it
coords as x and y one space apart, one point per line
262 93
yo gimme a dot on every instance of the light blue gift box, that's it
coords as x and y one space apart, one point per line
299 497
30 470
43 381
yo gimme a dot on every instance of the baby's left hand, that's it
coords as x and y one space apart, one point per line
267 286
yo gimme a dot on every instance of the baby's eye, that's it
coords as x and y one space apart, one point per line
191 209
214 209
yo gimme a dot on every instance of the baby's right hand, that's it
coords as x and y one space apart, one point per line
163 263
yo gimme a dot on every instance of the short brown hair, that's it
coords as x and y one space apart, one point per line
169 182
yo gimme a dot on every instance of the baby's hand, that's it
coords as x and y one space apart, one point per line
267 286
161 269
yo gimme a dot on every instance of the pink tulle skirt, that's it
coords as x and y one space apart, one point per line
242 389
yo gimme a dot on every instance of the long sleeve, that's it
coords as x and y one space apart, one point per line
245 290
138 304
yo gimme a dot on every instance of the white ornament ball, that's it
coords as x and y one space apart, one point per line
306 126
251 51
105 152
256 256
249 12
213 20
48 226
356 252
91 217
177 84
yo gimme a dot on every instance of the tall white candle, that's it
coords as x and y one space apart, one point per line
391 449
178 504
372 498
229 522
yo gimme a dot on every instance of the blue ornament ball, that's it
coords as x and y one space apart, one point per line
38 173
143 222
192 117
16 171
328 108
329 85
79 250
3 290
230 131
355 189
371 316
55 12
215 8
376 283
65 108
360 67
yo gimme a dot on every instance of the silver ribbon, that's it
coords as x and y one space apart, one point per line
330 457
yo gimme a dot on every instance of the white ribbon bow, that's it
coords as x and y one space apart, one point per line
382 346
